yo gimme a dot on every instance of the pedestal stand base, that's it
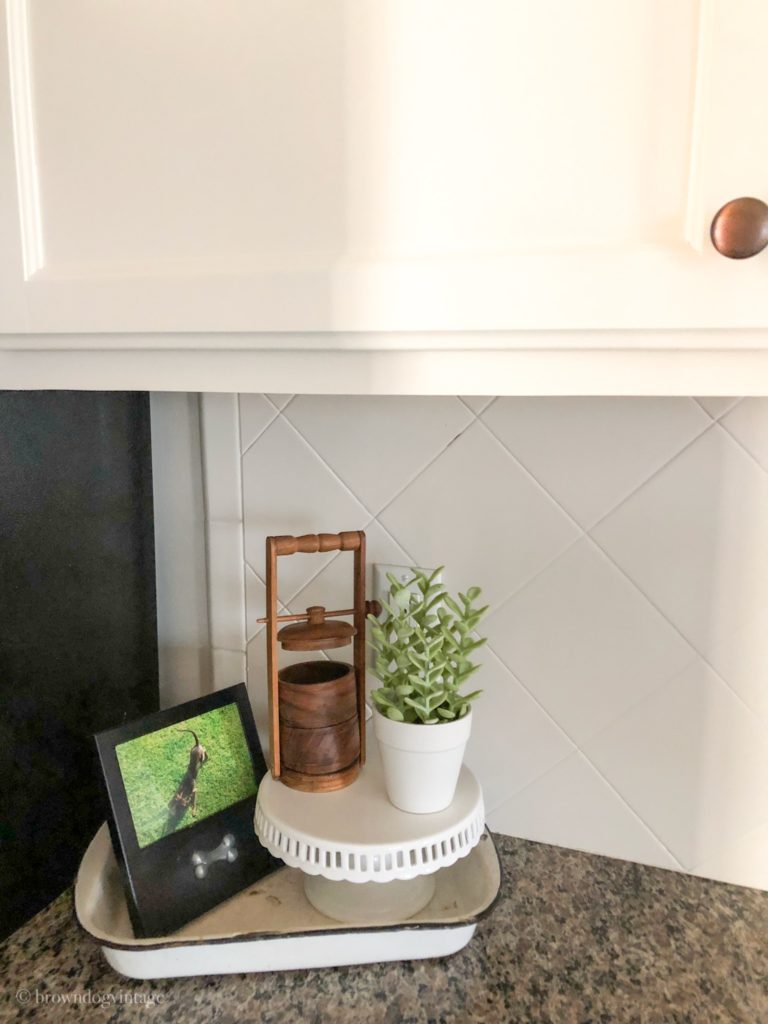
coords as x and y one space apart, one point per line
369 902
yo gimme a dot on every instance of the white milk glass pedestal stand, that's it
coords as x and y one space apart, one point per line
365 861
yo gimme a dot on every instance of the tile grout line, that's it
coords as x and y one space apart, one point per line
576 749
374 517
264 429
423 469
718 417
335 475
475 416
738 443
680 633
583 531
394 540
323 462
712 426
654 474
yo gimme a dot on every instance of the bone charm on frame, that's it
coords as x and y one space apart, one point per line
226 850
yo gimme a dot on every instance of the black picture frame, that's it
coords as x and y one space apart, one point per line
167 882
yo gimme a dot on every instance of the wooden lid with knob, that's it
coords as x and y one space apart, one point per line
317 633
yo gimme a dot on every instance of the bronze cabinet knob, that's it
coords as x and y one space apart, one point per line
740 228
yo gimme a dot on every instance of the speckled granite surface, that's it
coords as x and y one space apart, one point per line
574 939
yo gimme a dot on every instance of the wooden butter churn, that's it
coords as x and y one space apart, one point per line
317 708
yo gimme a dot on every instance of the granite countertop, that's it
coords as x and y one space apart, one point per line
573 939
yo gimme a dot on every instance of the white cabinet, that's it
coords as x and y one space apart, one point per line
378 165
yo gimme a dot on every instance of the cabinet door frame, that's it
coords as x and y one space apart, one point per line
469 303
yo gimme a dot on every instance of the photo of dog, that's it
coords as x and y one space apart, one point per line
179 775
186 794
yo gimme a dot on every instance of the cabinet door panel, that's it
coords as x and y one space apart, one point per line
376 165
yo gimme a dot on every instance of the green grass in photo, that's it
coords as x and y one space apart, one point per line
154 765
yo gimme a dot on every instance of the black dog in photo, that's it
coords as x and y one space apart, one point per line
185 796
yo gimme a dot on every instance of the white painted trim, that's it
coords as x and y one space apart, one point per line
468 342
222 486
184 653
533 371
695 226
24 136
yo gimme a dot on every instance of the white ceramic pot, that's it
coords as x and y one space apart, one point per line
421 762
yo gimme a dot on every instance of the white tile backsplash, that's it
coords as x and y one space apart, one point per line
478 511
573 806
692 760
748 424
524 742
694 539
591 455
585 642
377 445
288 488
256 413
717 407
622 544
742 661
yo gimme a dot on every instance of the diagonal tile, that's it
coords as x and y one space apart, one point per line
513 741
477 402
256 413
585 642
717 407
693 536
693 763
742 862
748 423
287 489
332 587
590 453
742 660
572 806
280 401
476 511
377 444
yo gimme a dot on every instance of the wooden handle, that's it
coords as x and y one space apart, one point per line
309 543
371 608
740 228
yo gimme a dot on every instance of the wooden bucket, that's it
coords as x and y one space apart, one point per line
319 726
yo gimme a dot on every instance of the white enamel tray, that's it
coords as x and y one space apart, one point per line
272 927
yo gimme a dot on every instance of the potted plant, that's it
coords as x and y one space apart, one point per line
422 717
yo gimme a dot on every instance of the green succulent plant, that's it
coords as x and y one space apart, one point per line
423 647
